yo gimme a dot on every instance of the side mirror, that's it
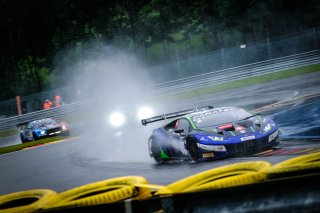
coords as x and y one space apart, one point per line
179 131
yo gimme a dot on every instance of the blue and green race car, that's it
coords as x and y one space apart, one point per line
209 133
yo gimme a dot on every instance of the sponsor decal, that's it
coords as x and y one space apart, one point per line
215 138
273 136
267 127
247 138
203 138
208 155
211 112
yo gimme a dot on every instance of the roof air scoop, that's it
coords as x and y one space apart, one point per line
226 127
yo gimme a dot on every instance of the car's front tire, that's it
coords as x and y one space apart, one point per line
193 151
23 139
34 137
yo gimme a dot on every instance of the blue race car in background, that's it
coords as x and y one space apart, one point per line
209 133
34 130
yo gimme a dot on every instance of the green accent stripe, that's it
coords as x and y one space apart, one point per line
163 154
191 121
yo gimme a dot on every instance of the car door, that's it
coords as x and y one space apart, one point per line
182 129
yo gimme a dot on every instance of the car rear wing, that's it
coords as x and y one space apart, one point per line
173 115
22 125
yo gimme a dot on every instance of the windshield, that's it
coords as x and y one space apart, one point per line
44 122
220 116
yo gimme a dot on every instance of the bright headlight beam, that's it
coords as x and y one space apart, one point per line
145 112
117 119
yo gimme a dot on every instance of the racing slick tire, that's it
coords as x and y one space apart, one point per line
303 165
26 201
34 137
102 192
237 174
155 151
193 150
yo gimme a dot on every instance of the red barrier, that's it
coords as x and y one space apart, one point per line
18 105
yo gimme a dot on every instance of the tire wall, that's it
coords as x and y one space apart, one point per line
126 188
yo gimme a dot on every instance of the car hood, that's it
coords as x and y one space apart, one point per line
234 128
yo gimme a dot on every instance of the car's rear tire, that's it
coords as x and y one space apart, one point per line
193 151
156 154
23 139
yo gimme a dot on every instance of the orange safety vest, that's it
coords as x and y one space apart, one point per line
47 105
57 101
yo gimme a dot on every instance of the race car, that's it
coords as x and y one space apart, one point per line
34 130
208 133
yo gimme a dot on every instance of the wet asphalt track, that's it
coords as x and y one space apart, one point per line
101 154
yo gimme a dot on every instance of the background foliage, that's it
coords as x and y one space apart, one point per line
35 34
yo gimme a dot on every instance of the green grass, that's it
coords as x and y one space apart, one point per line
9 132
18 147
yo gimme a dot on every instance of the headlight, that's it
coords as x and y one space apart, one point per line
145 112
64 127
216 148
267 128
117 119
42 132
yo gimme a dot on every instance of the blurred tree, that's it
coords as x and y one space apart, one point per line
36 35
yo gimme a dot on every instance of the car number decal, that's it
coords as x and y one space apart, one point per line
247 138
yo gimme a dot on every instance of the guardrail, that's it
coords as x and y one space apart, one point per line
56 113
180 85
236 73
